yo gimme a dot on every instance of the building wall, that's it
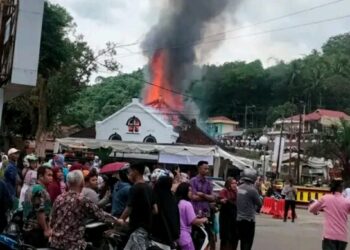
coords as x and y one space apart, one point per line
149 126
217 129
227 128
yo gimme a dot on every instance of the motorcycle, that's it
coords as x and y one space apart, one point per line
102 236
12 237
200 237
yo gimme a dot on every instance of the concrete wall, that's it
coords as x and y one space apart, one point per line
149 126
221 129
227 128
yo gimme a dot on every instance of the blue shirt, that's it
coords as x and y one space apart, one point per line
120 197
10 177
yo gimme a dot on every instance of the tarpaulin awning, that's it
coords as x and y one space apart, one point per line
124 148
184 159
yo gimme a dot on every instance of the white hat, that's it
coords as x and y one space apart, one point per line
12 151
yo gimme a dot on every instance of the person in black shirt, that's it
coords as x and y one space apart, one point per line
140 209
166 224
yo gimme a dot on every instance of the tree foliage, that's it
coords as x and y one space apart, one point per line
66 64
98 101
334 144
320 79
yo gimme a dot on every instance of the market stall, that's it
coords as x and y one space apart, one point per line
163 153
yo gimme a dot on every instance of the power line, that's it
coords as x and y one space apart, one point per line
161 87
284 28
276 18
204 41
248 35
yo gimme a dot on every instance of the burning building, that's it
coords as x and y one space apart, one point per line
171 47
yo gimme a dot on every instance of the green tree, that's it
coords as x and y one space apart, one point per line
101 100
282 111
335 145
319 79
65 67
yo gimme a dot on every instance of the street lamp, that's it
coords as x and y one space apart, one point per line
263 140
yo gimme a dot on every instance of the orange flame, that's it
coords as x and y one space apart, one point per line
161 93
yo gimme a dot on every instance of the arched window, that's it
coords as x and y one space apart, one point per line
150 139
115 137
133 124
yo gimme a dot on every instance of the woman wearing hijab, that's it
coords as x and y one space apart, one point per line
227 217
57 186
29 175
59 161
166 224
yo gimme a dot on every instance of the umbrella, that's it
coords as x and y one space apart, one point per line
113 167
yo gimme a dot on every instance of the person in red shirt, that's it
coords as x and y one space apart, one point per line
54 188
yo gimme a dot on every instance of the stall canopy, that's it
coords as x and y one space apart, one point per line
167 153
184 159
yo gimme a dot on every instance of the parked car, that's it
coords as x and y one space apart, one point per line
218 185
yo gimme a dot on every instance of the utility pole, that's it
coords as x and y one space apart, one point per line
297 165
290 144
279 149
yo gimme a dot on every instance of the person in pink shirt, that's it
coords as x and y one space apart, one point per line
336 209
187 216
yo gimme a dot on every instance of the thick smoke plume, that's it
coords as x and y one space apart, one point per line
181 24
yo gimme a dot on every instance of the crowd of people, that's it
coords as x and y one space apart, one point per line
159 208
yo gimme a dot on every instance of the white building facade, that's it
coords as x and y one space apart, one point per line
136 123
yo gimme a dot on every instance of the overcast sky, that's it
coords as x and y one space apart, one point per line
127 21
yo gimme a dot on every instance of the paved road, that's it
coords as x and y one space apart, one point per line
304 234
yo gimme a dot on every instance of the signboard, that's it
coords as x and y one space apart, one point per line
27 42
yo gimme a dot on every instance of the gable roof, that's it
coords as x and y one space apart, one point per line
317 115
192 134
189 132
136 102
85 133
221 119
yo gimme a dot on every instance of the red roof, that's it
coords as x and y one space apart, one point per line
223 118
319 113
